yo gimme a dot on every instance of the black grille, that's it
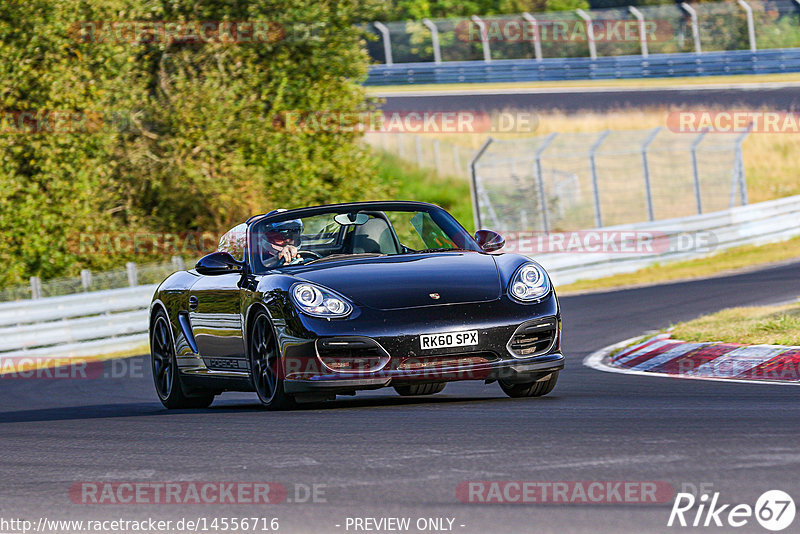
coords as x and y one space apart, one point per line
350 355
535 337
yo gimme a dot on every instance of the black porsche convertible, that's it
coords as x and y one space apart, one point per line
306 304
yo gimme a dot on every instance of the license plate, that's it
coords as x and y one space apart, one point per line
448 339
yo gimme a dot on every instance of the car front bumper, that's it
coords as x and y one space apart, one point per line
514 371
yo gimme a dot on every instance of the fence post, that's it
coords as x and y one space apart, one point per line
436 159
387 41
456 159
598 216
86 279
537 40
646 171
487 53
540 180
133 278
473 183
418 145
751 30
695 28
36 287
589 32
642 34
696 173
740 161
178 263
437 52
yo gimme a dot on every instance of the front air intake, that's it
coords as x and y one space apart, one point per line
534 338
351 354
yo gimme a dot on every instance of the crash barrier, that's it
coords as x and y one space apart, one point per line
676 39
583 68
83 324
626 248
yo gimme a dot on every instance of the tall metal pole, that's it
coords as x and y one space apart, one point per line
598 216
487 53
642 33
473 183
646 170
540 181
740 160
537 38
589 32
751 29
695 171
387 41
437 52
695 27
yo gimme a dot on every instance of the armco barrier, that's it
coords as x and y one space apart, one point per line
602 68
85 324
115 320
753 224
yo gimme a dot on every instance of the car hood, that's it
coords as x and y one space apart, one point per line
407 281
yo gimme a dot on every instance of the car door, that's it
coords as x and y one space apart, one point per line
215 310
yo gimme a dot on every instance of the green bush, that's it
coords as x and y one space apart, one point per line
188 141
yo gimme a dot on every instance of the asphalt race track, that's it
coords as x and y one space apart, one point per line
382 455
772 96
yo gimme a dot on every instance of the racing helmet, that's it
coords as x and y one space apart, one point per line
280 234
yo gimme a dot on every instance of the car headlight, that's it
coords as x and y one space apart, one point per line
529 283
319 301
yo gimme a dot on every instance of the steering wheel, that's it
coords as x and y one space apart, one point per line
310 253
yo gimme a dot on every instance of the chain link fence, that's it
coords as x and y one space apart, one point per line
131 276
444 157
623 31
563 182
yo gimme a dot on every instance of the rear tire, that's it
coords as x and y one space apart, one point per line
166 376
266 366
530 389
420 389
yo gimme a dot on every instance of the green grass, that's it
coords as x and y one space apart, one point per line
771 325
412 183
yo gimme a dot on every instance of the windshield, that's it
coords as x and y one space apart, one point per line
340 234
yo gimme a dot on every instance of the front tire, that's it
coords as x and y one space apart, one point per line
420 389
166 376
538 388
266 366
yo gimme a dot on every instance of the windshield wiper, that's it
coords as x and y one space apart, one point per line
425 250
334 257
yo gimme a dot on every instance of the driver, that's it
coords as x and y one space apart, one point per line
280 241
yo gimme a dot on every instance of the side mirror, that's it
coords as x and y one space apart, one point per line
489 241
218 263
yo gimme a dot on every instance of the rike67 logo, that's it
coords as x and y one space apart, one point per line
774 510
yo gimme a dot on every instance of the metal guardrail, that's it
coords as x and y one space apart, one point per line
579 68
84 324
754 224
103 322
